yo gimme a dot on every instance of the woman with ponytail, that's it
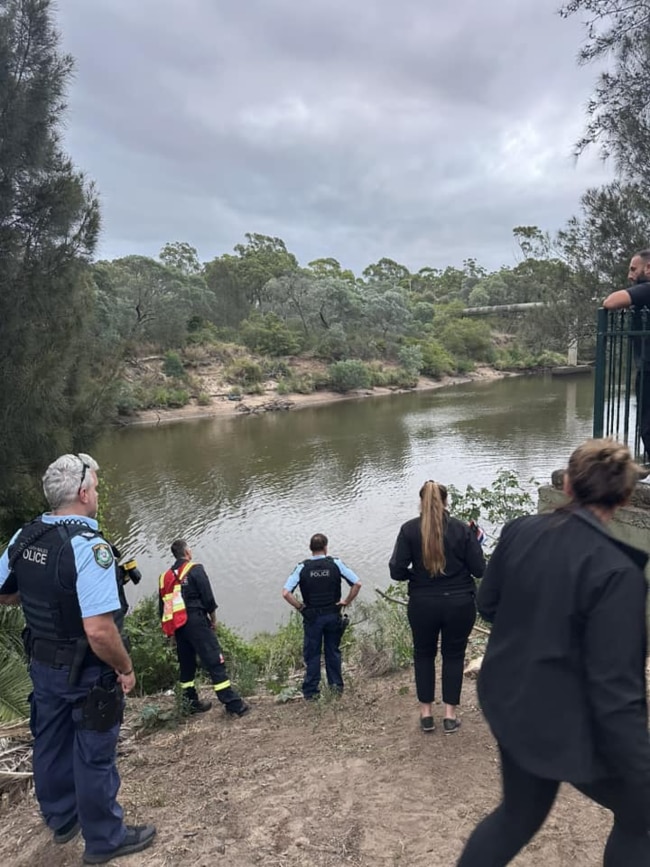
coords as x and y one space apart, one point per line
438 555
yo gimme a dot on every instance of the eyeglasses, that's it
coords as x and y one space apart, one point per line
84 468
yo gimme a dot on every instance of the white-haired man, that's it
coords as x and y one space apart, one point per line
63 573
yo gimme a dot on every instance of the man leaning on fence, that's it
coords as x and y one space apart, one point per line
637 295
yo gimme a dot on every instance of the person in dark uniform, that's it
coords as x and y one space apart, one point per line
637 295
63 572
188 611
563 682
438 555
319 579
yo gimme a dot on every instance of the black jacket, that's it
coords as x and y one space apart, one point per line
562 683
462 552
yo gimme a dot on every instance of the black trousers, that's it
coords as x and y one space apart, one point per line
642 391
452 618
197 638
527 801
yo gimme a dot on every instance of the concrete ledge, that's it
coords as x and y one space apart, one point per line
631 524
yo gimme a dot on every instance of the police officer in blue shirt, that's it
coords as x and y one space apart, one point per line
63 573
319 579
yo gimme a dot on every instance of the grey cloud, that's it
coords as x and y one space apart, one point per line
419 131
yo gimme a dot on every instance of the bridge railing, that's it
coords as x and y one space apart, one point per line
622 375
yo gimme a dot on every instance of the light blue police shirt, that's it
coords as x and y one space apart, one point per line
96 580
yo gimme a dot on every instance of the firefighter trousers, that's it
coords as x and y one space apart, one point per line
197 638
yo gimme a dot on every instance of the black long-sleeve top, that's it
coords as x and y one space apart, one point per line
463 555
563 683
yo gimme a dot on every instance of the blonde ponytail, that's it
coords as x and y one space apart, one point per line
433 497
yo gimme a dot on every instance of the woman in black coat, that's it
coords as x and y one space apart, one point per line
438 555
563 683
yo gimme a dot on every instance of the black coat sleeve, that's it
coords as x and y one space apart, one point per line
401 559
614 659
474 555
203 588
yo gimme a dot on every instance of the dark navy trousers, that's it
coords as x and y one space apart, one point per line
75 771
321 631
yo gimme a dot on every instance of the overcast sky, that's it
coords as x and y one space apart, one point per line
421 130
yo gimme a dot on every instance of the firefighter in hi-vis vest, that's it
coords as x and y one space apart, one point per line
319 579
188 612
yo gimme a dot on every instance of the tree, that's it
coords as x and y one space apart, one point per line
617 31
144 300
389 273
229 303
260 259
49 223
329 267
180 256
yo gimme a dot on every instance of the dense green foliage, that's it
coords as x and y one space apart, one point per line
52 386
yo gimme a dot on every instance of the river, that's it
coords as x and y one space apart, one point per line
247 492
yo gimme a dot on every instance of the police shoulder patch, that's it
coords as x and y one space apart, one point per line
103 555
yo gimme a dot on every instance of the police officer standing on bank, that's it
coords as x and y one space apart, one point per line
188 612
319 579
64 574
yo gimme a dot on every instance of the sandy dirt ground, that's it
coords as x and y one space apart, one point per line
340 782
221 406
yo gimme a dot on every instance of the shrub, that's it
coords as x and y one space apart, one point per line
302 384
347 375
126 402
173 366
402 378
269 335
333 344
203 399
275 368
411 359
15 684
244 371
154 659
436 361
467 338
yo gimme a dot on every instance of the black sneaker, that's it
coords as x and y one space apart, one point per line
138 837
67 832
241 711
427 724
450 726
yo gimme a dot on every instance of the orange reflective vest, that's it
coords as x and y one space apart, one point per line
174 611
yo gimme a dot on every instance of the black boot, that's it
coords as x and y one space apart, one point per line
192 701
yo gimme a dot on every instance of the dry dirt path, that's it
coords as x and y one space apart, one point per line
348 782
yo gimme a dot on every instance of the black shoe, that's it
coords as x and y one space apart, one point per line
427 724
138 837
199 706
450 726
242 710
313 697
67 832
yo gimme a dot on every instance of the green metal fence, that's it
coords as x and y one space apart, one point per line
622 376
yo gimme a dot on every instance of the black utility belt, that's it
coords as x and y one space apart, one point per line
327 609
445 594
53 652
